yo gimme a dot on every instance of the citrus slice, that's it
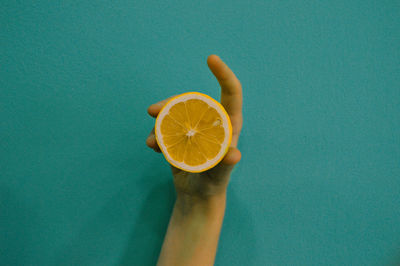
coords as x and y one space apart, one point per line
193 132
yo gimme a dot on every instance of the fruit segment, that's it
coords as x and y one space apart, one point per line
216 133
177 150
171 140
193 156
208 147
195 109
171 127
178 113
210 118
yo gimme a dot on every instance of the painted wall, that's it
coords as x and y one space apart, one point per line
319 180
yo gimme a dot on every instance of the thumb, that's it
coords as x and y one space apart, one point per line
232 157
225 167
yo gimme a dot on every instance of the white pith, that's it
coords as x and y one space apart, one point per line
191 133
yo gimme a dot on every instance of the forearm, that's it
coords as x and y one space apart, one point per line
193 231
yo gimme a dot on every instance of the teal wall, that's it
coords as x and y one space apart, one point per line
319 179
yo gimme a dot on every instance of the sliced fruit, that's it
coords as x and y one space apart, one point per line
193 131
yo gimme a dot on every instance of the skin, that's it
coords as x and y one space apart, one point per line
194 228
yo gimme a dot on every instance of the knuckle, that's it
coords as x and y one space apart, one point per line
148 142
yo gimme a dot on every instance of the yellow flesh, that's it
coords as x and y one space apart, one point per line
192 132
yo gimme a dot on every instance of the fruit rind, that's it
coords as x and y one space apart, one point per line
226 143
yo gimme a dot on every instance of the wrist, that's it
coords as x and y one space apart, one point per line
211 205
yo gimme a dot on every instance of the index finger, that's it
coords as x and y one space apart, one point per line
231 88
231 94
155 108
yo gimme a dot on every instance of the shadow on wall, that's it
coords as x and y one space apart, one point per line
145 241
144 245
16 219
129 229
395 261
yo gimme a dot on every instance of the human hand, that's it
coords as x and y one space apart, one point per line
214 181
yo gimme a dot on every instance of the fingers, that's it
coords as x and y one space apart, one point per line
155 108
231 94
151 141
231 88
225 167
157 149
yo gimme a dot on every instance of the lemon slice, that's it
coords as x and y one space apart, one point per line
193 131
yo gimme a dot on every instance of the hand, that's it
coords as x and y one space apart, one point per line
214 181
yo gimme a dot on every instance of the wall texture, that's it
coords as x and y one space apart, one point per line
319 180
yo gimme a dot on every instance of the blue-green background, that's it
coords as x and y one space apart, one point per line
319 179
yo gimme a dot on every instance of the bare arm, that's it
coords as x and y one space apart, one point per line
195 224
193 231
